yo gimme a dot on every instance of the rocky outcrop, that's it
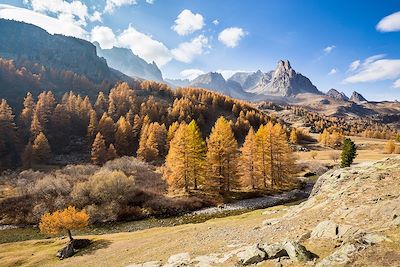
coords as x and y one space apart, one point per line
335 94
125 61
357 98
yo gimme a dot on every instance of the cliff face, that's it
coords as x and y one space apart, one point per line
21 41
130 64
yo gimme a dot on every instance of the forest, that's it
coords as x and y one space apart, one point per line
138 151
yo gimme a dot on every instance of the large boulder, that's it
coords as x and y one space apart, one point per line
341 256
66 252
275 251
331 230
177 260
298 252
252 255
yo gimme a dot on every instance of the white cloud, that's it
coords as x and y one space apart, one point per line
215 22
329 49
96 16
74 10
191 74
389 23
354 65
50 24
333 71
104 36
375 68
185 52
231 36
396 84
112 4
187 22
150 1
144 46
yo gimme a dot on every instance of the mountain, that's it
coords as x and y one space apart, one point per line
357 98
177 82
333 93
284 81
125 61
215 81
33 60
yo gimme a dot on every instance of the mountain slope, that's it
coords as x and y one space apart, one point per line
337 95
130 64
33 60
357 98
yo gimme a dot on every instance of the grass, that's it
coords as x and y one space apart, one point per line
121 249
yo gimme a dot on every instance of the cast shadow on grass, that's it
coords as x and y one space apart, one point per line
93 246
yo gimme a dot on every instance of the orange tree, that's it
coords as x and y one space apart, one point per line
65 220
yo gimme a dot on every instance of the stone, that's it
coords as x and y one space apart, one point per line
66 252
298 252
252 255
181 259
274 251
331 230
147 264
372 238
340 257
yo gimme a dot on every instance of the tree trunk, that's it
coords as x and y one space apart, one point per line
70 235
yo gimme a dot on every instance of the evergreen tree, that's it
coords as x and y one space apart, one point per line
8 139
222 156
293 136
177 160
107 128
92 128
41 151
36 126
111 153
99 150
349 153
197 154
122 135
27 112
247 161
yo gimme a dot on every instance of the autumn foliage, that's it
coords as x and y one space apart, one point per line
65 220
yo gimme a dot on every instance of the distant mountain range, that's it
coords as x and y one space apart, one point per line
65 63
125 61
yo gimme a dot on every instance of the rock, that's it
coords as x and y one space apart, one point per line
274 251
181 259
340 257
270 222
147 264
298 252
331 230
252 255
66 252
372 238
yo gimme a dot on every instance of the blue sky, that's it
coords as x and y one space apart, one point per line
320 38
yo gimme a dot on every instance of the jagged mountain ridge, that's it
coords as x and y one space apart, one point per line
337 95
357 98
284 81
124 60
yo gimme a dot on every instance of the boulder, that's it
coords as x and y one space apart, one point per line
331 230
181 259
298 252
66 252
373 238
252 255
274 251
341 256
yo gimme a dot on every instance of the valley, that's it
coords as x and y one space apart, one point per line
118 150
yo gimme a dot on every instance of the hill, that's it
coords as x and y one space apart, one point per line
33 60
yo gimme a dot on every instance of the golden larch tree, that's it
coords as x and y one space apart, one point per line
99 150
65 220
222 153
41 151
247 161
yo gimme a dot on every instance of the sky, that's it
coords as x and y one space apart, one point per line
346 45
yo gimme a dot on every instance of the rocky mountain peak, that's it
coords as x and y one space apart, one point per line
333 93
357 98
